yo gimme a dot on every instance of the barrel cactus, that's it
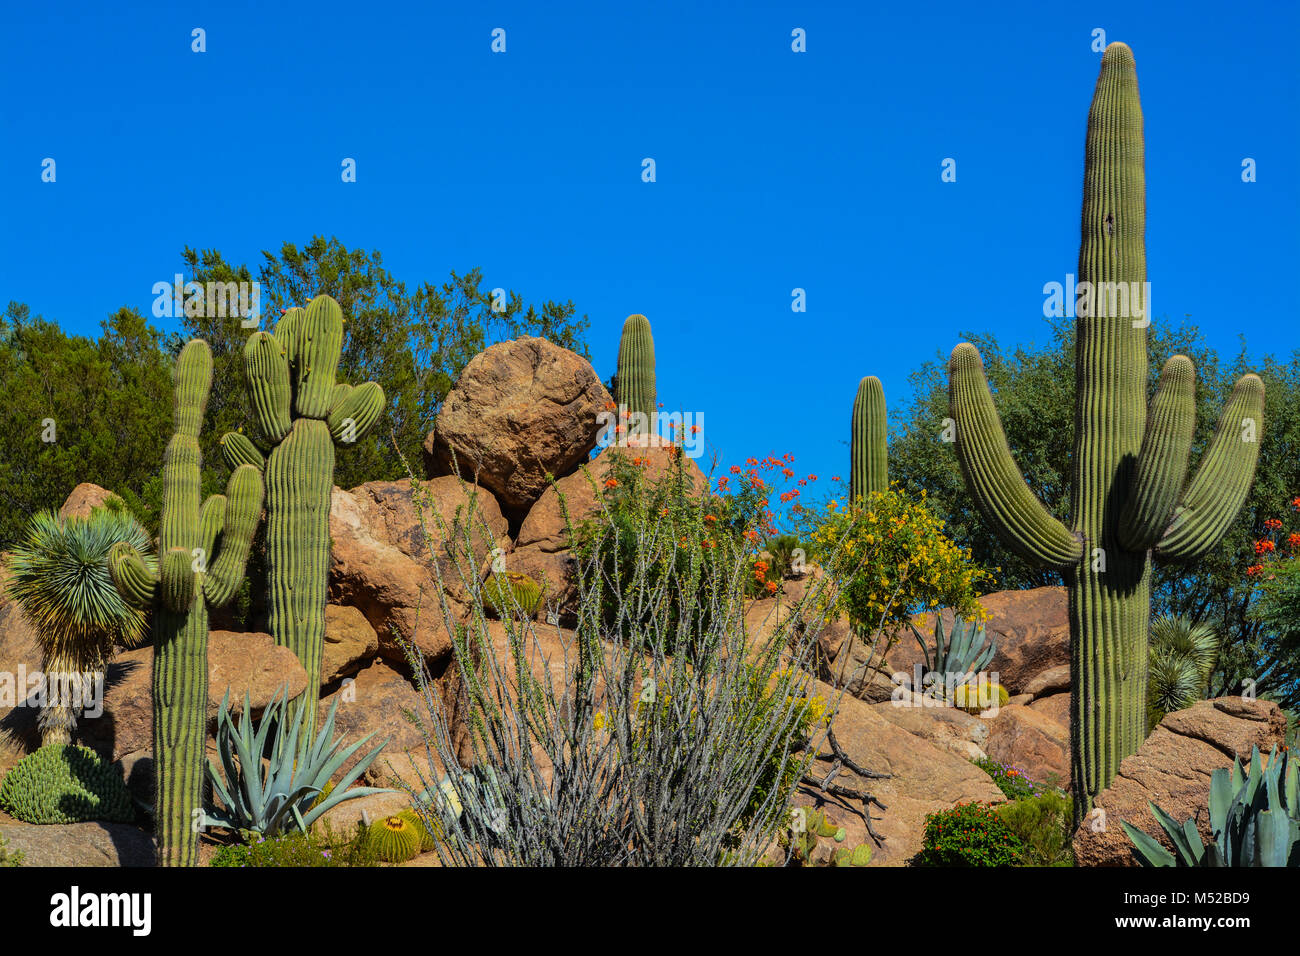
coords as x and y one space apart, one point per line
203 551
635 392
64 783
395 838
868 451
511 593
1130 498
301 414
427 840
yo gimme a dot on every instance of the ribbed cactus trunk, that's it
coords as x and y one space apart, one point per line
203 551
301 413
636 374
180 710
868 451
1129 496
1109 590
299 479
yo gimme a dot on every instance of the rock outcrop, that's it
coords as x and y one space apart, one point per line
521 411
1173 769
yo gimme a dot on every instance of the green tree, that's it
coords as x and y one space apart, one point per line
1034 391
98 399
414 343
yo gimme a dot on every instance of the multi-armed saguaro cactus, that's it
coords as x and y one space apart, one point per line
636 371
301 413
1130 465
869 454
202 553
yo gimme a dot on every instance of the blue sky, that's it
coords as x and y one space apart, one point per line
775 170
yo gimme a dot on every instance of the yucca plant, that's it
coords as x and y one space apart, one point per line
1254 820
1183 655
962 652
289 791
60 580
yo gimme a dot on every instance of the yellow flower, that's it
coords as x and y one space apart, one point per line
599 720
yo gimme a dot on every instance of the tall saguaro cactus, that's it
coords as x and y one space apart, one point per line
1130 465
301 413
203 551
868 451
636 369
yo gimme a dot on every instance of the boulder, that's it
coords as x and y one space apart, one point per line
350 642
1032 741
1051 681
376 701
79 844
925 777
238 662
382 564
20 658
1055 706
1032 631
521 411
83 499
1172 769
954 730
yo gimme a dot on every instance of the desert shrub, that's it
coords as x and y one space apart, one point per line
1012 781
63 783
60 580
970 834
661 732
783 552
681 536
1042 823
320 846
895 559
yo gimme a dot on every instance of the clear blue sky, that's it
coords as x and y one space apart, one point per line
775 170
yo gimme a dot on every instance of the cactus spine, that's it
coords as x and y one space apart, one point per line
302 413
203 552
1128 499
636 373
869 453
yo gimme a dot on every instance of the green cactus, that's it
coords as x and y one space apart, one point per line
860 855
203 550
64 783
868 451
636 374
302 413
427 839
395 839
1128 499
511 593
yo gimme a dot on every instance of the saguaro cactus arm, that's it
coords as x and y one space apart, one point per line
131 576
243 508
1219 488
868 448
266 372
991 474
237 449
1162 462
355 412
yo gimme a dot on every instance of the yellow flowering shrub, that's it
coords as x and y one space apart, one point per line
890 558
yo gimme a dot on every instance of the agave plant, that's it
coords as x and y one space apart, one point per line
1183 655
1254 820
963 651
290 789
60 580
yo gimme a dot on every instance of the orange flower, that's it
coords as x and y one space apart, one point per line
1293 540
735 469
710 518
695 429
1263 547
611 482
1272 524
1254 569
771 587
835 477
787 472
664 513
